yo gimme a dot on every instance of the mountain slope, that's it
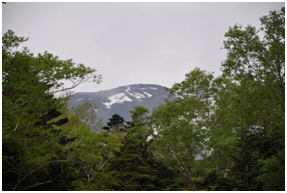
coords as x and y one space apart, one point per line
123 99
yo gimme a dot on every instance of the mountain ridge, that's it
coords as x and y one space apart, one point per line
122 99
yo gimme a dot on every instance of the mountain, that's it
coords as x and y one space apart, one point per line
123 99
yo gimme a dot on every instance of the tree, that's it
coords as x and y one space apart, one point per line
223 135
89 151
32 153
257 66
133 168
115 122
183 125
130 169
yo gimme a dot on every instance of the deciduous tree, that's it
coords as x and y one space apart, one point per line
30 141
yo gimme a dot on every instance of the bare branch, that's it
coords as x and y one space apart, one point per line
75 84
26 133
16 127
49 162
22 104
87 173
184 168
41 183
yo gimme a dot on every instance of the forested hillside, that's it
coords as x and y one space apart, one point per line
220 133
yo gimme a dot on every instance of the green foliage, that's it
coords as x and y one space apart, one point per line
139 115
257 67
133 168
116 122
33 155
88 151
271 170
213 117
182 126
246 168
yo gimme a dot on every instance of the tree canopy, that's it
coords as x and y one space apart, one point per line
33 154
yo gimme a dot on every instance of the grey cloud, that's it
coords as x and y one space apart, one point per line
133 43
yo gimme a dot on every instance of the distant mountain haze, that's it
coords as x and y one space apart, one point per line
123 99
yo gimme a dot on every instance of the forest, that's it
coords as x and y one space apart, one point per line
220 133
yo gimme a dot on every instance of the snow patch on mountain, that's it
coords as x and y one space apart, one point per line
128 90
117 98
122 99
148 94
135 94
138 95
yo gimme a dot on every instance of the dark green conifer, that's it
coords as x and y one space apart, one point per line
134 168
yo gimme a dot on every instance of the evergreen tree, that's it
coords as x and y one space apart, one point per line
134 168
246 167
115 122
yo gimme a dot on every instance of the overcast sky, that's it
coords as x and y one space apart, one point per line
131 43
